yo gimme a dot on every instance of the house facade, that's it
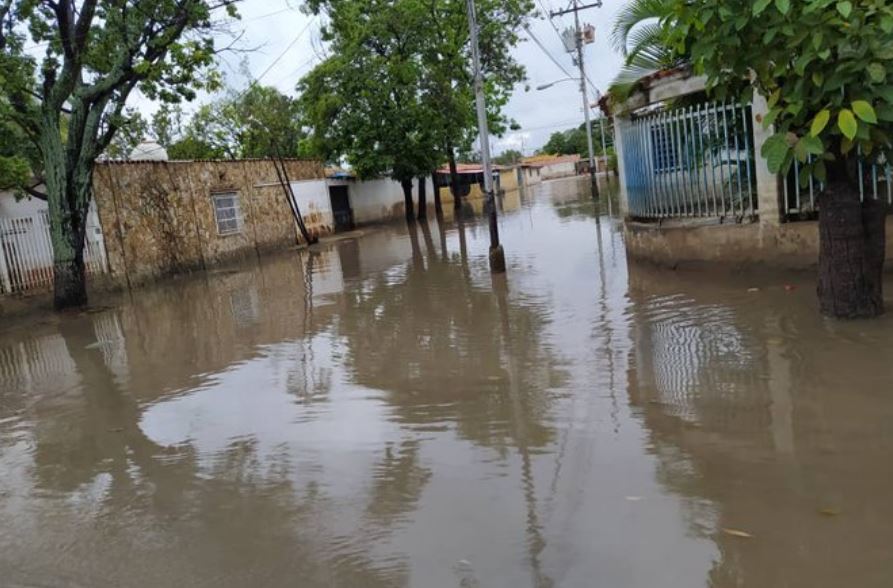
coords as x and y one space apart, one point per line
168 217
694 188
554 166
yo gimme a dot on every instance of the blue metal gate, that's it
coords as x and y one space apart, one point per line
694 161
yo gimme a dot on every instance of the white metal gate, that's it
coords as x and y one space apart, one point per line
26 253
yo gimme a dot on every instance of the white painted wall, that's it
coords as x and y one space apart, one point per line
531 175
10 208
559 170
382 200
316 206
26 252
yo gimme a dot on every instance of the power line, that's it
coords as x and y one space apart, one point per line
546 51
232 21
561 38
551 22
257 79
286 50
295 71
573 121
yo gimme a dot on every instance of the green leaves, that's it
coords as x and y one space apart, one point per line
865 111
807 146
820 122
770 117
847 124
14 172
877 72
845 8
403 94
775 150
760 5
822 65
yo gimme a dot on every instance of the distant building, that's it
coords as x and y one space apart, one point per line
529 174
554 166
471 179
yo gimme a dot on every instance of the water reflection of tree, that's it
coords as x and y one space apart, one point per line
398 481
198 510
431 340
100 431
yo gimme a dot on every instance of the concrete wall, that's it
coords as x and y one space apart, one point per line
26 255
561 169
12 208
530 176
508 179
768 242
158 217
381 200
786 246
315 205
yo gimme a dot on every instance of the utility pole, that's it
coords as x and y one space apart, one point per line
497 255
601 126
579 42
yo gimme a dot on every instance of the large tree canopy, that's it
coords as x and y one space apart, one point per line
573 142
823 67
396 95
257 122
67 68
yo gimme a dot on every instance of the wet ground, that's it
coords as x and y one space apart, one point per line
381 412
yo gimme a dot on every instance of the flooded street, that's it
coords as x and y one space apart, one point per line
382 412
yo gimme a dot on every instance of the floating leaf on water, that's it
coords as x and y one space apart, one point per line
737 533
99 345
829 511
753 289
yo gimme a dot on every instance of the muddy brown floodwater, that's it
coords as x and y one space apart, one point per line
381 412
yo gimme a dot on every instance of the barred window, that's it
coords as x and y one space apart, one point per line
227 213
663 149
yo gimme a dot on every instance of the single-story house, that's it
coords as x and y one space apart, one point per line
554 166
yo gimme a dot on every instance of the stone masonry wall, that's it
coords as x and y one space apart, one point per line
158 217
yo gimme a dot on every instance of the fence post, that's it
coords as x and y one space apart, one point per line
769 197
4 267
621 124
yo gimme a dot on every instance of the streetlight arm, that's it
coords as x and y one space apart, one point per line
550 84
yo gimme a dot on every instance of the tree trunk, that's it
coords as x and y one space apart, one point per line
69 185
438 207
429 241
69 281
418 261
423 199
407 199
67 235
454 179
852 242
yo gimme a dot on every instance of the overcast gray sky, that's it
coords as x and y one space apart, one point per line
277 26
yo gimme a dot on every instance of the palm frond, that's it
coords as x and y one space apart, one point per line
635 13
647 42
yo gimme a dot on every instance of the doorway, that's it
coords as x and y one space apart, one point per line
341 210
